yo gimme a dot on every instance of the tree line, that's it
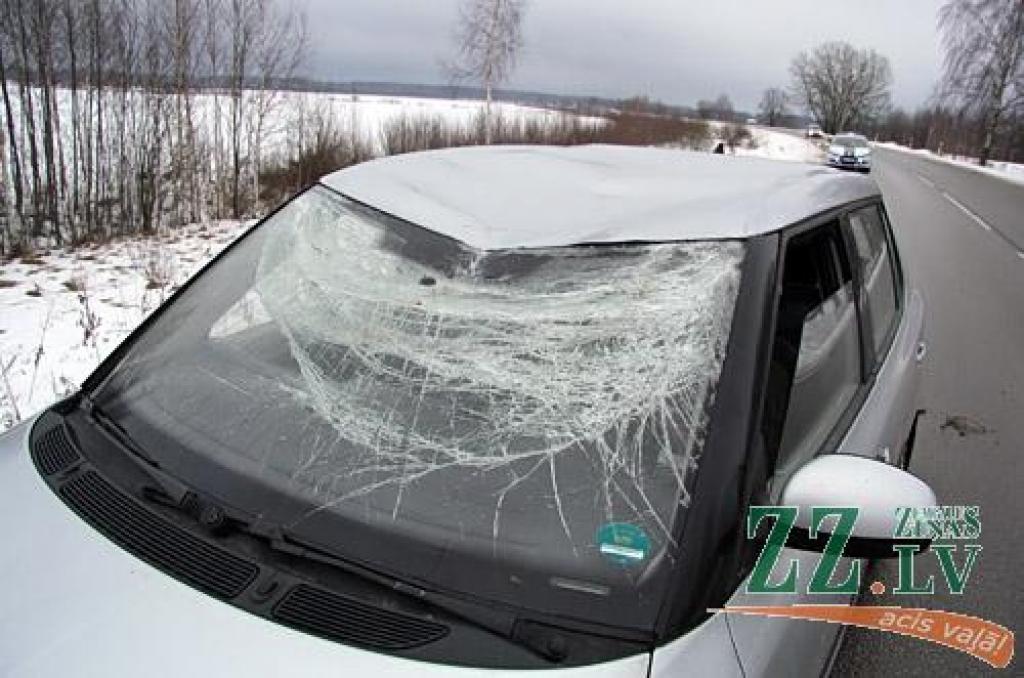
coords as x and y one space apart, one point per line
121 116
977 108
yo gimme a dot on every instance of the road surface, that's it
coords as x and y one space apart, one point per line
961 236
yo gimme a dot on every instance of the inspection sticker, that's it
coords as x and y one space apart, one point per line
623 543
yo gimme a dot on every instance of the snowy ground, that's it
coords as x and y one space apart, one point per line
781 146
1005 170
62 312
775 145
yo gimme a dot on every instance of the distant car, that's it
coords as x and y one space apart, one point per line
850 151
470 411
814 131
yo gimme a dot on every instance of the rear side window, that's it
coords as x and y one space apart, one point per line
875 261
816 367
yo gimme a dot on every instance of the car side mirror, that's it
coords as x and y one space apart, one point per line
875 488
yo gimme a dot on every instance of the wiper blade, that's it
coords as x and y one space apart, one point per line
167 489
170 492
550 646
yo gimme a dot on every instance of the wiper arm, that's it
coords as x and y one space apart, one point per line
552 647
167 489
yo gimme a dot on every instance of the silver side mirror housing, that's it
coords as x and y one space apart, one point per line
876 489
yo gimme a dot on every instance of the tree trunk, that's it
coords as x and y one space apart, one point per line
28 120
986 147
44 70
487 116
18 205
75 126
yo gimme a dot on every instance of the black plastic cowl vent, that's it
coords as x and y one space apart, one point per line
53 452
155 540
344 619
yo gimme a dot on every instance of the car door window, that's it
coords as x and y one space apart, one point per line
816 367
874 259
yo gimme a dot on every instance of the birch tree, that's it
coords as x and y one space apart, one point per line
11 179
278 46
106 126
488 38
984 63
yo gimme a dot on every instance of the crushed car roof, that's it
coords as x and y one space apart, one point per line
500 197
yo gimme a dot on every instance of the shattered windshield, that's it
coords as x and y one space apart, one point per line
521 425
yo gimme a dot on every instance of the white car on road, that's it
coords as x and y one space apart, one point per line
850 151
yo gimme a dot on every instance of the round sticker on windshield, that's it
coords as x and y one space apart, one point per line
623 544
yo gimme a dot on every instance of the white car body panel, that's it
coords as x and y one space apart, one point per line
590 194
707 650
773 646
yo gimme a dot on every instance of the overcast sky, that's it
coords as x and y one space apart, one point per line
678 51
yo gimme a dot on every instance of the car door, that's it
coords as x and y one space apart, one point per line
894 329
816 382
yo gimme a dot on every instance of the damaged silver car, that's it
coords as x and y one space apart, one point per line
475 409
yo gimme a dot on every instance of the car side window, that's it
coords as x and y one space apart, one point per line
816 355
875 262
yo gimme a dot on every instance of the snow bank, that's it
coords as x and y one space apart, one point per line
772 144
781 146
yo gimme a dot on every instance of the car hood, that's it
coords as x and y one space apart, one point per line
76 604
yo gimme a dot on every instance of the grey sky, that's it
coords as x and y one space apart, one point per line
678 51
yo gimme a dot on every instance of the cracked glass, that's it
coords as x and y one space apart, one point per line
540 413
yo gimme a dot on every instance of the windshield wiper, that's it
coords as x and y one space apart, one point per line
168 491
544 641
166 488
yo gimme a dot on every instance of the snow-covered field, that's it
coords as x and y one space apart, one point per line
366 115
1005 170
363 115
62 312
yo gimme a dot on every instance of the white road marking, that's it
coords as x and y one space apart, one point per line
926 181
963 208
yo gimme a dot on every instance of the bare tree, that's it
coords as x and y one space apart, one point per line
278 47
842 86
719 109
984 74
773 106
489 36
114 114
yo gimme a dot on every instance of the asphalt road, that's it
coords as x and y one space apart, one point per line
961 237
